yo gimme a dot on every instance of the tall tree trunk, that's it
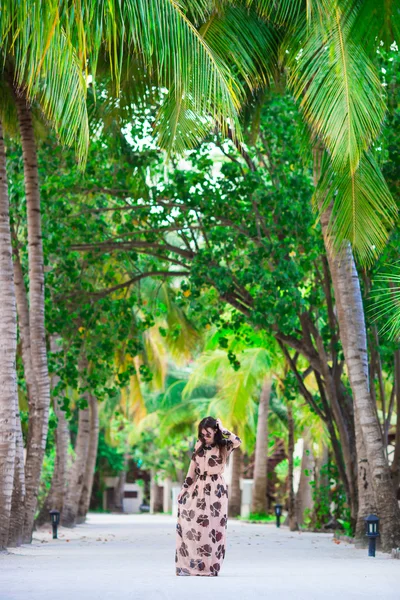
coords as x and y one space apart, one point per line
293 525
350 312
395 467
84 501
304 496
39 419
259 497
16 530
77 471
8 347
366 505
234 504
156 499
56 495
351 319
24 332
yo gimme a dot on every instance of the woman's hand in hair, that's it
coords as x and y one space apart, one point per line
219 424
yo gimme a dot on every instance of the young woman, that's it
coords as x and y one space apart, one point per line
203 502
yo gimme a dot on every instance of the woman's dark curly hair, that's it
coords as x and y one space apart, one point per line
219 440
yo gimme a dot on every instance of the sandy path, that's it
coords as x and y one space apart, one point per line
121 557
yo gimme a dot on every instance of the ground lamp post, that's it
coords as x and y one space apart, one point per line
372 532
278 512
55 520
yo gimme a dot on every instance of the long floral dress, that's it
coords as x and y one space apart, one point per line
203 511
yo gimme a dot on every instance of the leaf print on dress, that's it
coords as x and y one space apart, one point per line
188 514
214 569
197 563
184 549
204 550
203 520
188 482
192 534
184 497
214 460
201 503
215 509
216 536
220 491
224 521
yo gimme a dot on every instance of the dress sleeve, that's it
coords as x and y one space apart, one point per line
233 440
191 475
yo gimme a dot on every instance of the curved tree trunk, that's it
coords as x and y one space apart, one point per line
39 419
8 347
350 312
259 497
234 504
86 494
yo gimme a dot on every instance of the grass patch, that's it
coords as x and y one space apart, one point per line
259 518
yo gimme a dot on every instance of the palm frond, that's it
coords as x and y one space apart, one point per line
386 301
376 21
339 91
46 68
363 209
245 41
176 53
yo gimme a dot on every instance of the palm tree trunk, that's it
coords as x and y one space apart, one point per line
39 418
366 505
234 504
293 525
156 499
351 320
24 333
56 495
8 347
350 312
84 501
304 496
395 467
259 497
16 530
77 471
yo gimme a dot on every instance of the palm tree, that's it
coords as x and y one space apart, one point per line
8 376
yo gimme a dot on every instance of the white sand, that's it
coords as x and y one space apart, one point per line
120 557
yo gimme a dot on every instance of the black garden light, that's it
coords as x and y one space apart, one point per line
372 532
278 513
55 520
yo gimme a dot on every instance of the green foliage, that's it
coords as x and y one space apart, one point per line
326 490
